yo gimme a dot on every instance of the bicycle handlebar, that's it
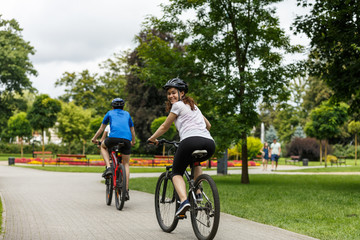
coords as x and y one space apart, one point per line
162 141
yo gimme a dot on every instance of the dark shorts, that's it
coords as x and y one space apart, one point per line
111 142
183 158
274 157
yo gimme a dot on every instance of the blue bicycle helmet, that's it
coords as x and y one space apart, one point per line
118 102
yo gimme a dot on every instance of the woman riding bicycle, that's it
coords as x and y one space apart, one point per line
194 133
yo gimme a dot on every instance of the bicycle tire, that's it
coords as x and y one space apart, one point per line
205 215
120 189
109 190
165 210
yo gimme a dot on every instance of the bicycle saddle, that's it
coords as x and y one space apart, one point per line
199 153
119 146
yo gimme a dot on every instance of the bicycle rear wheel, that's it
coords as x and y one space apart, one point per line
166 203
205 214
109 190
120 189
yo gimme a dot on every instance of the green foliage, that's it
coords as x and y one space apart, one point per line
43 113
354 127
326 120
19 126
253 148
145 101
73 122
15 65
94 124
333 27
170 134
15 70
95 91
345 150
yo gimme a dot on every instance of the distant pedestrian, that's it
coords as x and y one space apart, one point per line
265 155
275 150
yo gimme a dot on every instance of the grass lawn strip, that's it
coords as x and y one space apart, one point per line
320 206
2 217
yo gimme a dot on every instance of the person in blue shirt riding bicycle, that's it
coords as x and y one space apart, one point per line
121 130
194 133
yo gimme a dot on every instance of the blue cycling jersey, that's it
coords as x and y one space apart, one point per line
120 123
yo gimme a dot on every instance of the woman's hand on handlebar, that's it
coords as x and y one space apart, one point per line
152 141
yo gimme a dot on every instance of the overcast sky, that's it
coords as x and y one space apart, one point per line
79 34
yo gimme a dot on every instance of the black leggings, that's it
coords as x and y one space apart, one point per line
183 158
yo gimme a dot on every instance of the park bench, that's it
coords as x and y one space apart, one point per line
293 159
64 158
338 160
40 154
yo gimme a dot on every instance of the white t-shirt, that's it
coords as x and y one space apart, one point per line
189 123
275 148
107 129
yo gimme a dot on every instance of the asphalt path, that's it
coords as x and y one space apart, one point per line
54 205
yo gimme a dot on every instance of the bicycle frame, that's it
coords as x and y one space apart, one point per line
116 160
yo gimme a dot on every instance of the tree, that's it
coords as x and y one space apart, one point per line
146 98
169 135
333 28
270 134
95 91
354 128
15 67
43 115
235 49
19 126
325 122
73 124
299 132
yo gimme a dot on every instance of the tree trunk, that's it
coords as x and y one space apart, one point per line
244 171
84 142
320 143
43 147
163 149
355 148
326 153
21 148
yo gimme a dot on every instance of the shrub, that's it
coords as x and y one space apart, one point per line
345 150
253 146
305 148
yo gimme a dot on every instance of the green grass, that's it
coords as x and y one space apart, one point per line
321 206
327 169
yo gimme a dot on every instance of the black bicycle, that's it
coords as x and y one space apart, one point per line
117 181
204 210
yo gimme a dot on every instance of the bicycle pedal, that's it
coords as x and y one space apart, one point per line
182 216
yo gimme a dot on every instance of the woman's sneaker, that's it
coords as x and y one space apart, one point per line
184 206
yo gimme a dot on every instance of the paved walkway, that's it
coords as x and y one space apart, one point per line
53 205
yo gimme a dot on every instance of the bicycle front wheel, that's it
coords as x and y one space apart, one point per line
109 190
120 189
205 212
166 203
